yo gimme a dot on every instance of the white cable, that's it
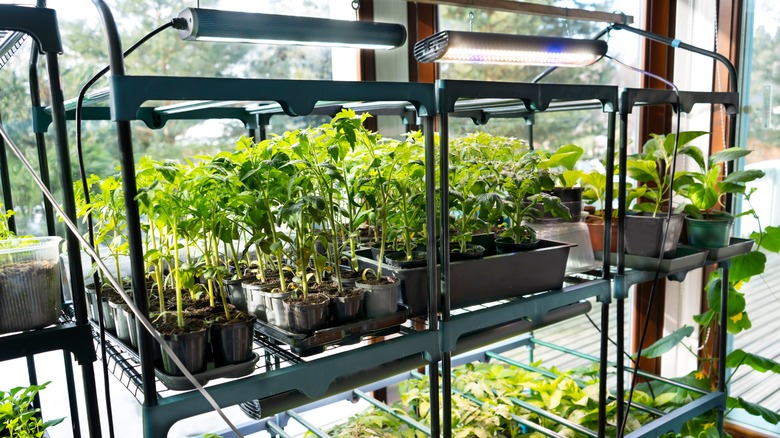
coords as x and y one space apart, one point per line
114 283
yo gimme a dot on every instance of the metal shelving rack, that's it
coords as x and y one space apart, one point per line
624 279
535 98
71 336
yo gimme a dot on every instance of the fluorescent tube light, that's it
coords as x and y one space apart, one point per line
230 26
490 48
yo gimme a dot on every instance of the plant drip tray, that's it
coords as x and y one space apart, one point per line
181 383
345 334
684 259
737 246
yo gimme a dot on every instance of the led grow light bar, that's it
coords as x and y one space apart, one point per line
230 26
489 48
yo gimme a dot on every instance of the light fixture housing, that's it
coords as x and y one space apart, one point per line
232 26
491 48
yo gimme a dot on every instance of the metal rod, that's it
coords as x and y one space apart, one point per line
312 428
276 429
641 373
72 401
444 193
603 353
5 182
40 139
433 274
33 377
620 364
723 335
74 250
609 169
557 418
133 227
535 9
379 405
733 82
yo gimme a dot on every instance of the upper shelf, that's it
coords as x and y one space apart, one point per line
39 23
535 97
632 97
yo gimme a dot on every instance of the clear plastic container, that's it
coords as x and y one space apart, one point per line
30 295
581 256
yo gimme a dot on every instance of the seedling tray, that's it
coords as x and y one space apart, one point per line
491 278
345 334
737 246
684 259
180 383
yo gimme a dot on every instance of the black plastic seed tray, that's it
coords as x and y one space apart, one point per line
737 246
344 334
684 259
180 383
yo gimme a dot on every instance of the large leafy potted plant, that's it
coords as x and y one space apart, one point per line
705 191
647 232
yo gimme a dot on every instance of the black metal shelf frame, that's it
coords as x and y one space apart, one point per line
73 337
534 98
679 101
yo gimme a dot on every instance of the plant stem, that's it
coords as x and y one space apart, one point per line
177 280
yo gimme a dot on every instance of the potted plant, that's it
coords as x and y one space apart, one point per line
645 230
406 215
523 184
29 279
474 206
307 312
381 292
705 190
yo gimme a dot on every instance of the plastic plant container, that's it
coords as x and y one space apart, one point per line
29 283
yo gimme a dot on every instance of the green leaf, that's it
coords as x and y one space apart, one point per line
770 240
667 342
666 397
758 363
705 318
643 170
728 155
702 197
743 176
758 410
747 265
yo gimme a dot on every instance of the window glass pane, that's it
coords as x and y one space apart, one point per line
760 132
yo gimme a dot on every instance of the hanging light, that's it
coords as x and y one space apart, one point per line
230 26
490 48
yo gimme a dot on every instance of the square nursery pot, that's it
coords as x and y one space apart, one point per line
644 234
29 283
232 341
491 278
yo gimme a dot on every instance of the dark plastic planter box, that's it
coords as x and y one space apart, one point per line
491 278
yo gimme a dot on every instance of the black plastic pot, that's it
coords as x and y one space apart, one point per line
232 342
473 251
644 234
398 259
307 318
190 348
375 251
346 309
505 245
714 231
380 299
235 293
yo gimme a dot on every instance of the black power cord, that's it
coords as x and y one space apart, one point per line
657 275
90 224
